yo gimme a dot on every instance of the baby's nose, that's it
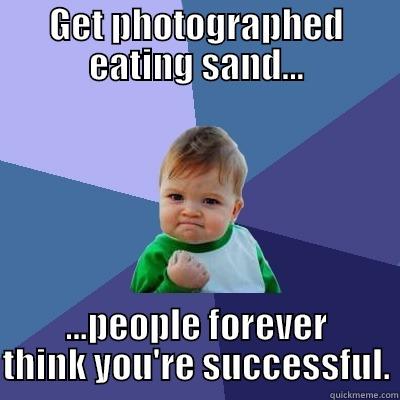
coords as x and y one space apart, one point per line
191 208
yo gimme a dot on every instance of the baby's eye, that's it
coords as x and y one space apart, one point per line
210 201
175 197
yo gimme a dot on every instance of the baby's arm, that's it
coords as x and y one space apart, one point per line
270 281
185 271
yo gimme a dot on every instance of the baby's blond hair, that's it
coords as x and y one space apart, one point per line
202 148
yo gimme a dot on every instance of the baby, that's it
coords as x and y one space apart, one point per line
201 249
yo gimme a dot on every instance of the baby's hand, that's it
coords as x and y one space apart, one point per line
185 271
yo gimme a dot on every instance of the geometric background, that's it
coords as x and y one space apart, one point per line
339 188
78 185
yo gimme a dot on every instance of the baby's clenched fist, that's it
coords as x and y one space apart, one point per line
185 271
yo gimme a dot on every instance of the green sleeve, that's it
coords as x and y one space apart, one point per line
271 283
151 276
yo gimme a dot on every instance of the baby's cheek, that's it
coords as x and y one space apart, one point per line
218 224
167 219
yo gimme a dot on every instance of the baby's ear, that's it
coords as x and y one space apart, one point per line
239 204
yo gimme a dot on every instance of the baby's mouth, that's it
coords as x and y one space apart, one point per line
190 223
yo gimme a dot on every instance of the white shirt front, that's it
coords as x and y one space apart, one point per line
234 267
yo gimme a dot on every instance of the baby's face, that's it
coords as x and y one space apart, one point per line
197 209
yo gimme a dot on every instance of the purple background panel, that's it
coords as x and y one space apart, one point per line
270 119
56 119
340 188
115 297
359 295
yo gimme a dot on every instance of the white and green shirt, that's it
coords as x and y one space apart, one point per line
235 263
